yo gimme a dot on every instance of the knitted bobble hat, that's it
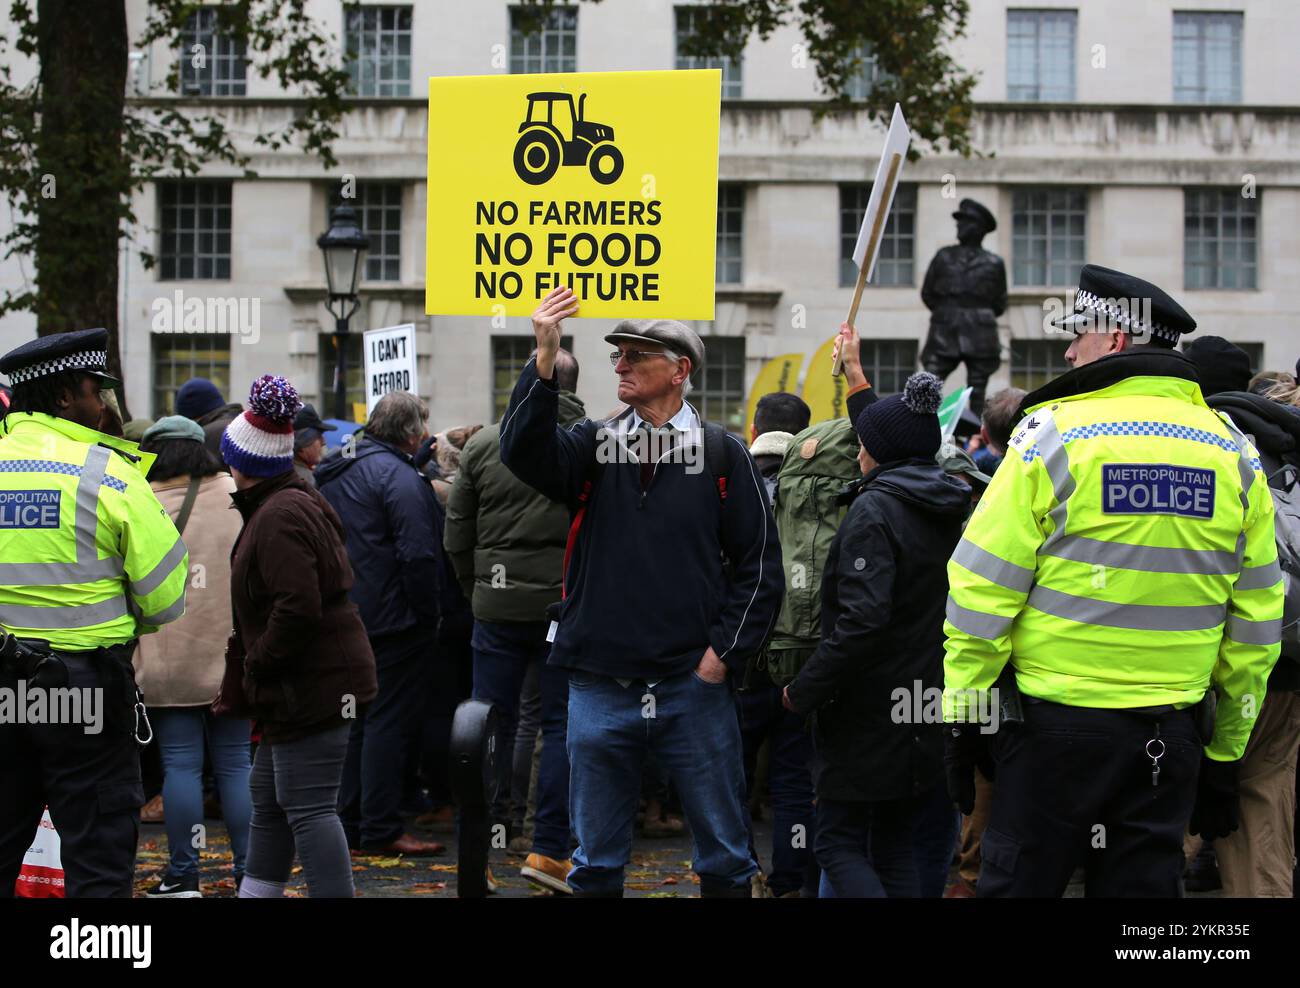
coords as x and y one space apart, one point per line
259 442
903 426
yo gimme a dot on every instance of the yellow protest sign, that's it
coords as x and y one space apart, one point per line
605 182
825 395
778 374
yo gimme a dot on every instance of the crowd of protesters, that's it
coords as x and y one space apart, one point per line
611 587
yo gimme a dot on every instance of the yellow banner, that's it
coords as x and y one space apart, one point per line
778 374
605 182
825 395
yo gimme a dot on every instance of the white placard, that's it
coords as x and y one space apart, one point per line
896 142
390 362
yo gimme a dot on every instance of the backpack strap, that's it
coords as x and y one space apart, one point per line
187 505
715 457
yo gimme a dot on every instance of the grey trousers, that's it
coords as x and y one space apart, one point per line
295 790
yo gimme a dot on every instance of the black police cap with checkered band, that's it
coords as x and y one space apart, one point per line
83 350
1109 299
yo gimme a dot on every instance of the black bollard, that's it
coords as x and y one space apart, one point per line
474 782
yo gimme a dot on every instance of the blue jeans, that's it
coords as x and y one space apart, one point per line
181 733
502 654
691 727
866 849
762 715
382 737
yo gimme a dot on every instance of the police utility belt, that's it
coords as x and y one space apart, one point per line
34 661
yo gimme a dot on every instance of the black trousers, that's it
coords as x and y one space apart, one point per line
89 778
1074 788
382 738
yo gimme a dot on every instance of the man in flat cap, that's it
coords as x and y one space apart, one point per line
672 579
309 441
1123 563
965 290
89 561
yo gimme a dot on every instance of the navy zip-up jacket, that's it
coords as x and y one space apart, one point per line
388 510
647 591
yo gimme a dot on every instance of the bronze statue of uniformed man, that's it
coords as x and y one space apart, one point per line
965 290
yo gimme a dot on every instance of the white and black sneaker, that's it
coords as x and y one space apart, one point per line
172 887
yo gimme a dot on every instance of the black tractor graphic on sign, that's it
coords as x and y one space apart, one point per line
553 135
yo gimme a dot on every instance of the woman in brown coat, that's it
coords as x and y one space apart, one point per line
306 663
179 668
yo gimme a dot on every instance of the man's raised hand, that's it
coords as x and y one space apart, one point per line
558 304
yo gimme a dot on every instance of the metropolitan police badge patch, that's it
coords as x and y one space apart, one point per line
29 509
1157 489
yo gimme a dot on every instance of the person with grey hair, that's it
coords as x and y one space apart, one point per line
388 512
671 581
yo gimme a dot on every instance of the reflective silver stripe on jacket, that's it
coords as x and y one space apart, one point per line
1254 632
977 623
169 613
1056 460
152 580
62 616
1149 559
992 567
57 574
1260 577
1135 617
87 515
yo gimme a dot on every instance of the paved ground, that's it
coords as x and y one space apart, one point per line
660 868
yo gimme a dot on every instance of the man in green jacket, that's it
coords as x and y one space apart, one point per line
506 542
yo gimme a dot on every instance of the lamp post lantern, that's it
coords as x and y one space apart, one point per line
344 247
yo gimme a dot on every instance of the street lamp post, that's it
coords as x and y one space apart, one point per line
344 246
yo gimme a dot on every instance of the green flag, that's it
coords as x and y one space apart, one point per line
950 411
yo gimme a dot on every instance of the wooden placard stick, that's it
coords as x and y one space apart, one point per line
873 245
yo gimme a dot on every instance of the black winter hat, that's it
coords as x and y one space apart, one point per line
904 426
1220 365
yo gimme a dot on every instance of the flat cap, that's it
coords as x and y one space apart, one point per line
173 427
308 419
676 336
953 459
1109 299
971 208
83 350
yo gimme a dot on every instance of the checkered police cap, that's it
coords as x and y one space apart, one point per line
1117 299
83 350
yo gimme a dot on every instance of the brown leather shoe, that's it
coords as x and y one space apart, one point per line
442 819
406 844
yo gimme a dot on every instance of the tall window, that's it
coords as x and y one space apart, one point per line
866 74
1207 57
195 223
552 47
894 265
1220 239
1035 362
378 206
731 234
1040 55
327 360
719 386
888 363
177 357
1048 235
689 19
378 45
211 63
509 354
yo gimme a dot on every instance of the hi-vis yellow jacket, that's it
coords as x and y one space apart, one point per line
88 557
1123 556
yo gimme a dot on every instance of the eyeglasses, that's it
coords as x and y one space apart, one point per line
636 356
